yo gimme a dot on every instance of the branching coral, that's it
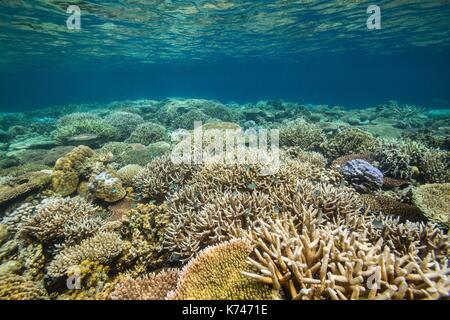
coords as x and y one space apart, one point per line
300 133
153 286
348 141
147 133
63 218
102 247
216 274
307 262
314 158
435 166
96 129
124 122
201 220
433 200
14 287
162 177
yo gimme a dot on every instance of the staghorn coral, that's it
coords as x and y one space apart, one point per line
153 286
300 133
56 218
433 200
393 160
306 262
147 133
216 274
143 230
161 177
124 122
348 141
200 218
14 287
102 248
314 158
435 165
403 238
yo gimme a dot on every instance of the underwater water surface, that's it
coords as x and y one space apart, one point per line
224 149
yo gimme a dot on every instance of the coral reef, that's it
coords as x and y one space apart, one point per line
354 205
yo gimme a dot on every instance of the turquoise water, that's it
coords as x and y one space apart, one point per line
244 51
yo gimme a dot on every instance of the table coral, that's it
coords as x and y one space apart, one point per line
23 185
433 200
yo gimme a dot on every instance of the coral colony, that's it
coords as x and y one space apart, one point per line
110 202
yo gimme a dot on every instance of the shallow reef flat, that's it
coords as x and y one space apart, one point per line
94 206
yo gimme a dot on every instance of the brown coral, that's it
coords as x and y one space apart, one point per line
14 287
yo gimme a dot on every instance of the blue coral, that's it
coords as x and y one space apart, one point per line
362 175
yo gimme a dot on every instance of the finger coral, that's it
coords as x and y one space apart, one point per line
216 274
102 247
307 262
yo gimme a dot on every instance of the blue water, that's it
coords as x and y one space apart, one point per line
244 51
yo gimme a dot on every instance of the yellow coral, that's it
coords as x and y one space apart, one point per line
433 200
14 287
216 274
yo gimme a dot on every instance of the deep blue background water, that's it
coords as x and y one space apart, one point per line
419 77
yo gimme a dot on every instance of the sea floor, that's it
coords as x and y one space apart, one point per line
196 199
